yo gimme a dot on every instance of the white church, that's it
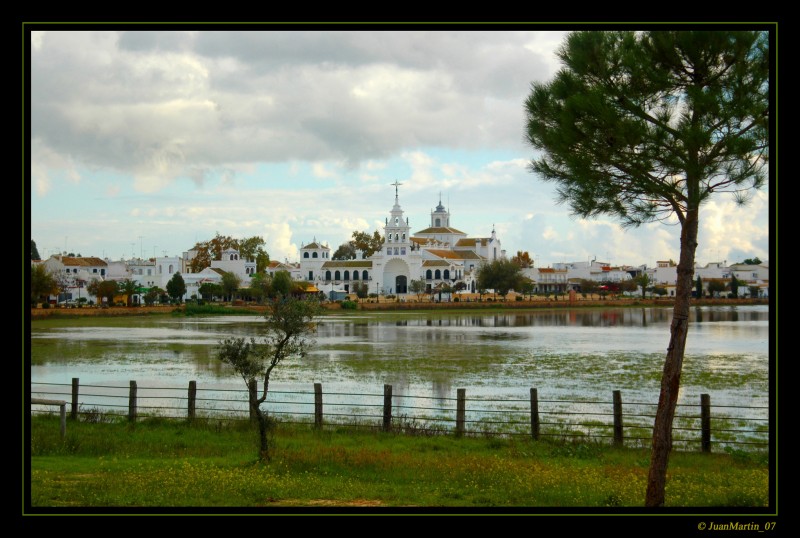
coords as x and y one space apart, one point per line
437 255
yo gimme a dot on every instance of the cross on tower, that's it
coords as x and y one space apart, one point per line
396 184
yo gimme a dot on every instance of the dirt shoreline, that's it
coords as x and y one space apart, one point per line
39 313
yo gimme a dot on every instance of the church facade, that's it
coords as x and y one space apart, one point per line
437 255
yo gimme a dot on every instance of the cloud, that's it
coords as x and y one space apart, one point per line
550 234
161 105
732 232
320 170
299 134
278 238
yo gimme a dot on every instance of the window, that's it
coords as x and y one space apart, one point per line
438 274
389 251
305 254
404 236
397 237
327 275
396 221
95 271
314 255
337 275
396 251
347 275
447 274
102 272
428 274
403 251
170 269
148 271
311 275
438 222
355 275
364 275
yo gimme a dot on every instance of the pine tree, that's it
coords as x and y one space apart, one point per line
646 126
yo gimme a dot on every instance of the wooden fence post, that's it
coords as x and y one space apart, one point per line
132 402
617 418
192 399
252 396
62 406
387 408
535 414
318 405
460 411
63 411
74 409
705 422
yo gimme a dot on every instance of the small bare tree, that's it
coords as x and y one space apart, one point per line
289 326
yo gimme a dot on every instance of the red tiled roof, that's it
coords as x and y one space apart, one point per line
470 241
314 245
82 262
441 230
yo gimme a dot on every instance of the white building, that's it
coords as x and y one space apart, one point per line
143 271
751 276
232 262
594 270
292 268
438 254
74 272
550 279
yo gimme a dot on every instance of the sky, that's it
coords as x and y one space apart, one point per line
145 142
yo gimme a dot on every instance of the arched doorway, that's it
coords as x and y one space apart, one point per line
401 284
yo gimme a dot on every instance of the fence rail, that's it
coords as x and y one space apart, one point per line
615 421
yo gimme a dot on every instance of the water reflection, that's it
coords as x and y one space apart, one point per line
575 352
608 317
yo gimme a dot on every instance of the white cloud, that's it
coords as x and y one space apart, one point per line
40 179
301 133
320 170
549 234
278 239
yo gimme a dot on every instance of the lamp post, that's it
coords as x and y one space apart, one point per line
378 291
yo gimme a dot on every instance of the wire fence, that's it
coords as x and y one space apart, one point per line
699 426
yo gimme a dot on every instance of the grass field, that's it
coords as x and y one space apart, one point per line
106 463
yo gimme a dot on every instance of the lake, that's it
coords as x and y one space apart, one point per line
566 354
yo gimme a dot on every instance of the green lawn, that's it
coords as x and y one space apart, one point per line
163 463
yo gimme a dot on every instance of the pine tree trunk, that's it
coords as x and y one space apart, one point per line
671 377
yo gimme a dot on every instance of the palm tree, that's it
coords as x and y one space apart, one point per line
128 288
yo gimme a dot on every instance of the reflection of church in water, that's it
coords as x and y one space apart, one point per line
437 255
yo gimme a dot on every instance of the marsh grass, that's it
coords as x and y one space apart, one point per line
192 309
212 463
